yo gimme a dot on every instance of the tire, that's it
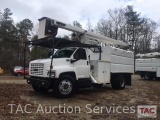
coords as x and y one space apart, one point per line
148 76
18 74
118 82
40 89
65 87
97 85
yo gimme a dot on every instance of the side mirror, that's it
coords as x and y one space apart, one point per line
72 61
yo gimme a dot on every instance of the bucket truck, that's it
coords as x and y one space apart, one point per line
90 60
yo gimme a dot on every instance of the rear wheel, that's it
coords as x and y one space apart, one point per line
148 76
40 89
118 82
65 87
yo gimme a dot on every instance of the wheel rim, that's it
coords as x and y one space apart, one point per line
146 76
122 82
65 86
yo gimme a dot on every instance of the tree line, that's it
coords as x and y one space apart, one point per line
124 24
127 25
12 36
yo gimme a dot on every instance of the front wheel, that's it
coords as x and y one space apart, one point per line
65 87
118 82
40 89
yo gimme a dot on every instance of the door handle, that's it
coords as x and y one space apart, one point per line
87 62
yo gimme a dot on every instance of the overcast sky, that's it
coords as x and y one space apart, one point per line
80 10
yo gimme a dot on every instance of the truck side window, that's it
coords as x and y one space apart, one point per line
80 54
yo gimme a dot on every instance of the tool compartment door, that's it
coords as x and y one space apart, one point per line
103 72
158 72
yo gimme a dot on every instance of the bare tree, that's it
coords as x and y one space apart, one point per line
117 16
89 26
114 26
127 25
156 46
105 27
146 36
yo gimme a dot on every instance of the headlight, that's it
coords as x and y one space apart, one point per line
52 74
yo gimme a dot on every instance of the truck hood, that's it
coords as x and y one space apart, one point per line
41 60
57 62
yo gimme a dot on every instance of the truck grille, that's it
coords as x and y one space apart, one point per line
37 69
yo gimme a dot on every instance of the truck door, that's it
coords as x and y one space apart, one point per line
82 64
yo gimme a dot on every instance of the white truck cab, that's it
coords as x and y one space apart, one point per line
78 64
70 59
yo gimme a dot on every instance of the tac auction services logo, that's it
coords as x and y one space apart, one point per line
147 111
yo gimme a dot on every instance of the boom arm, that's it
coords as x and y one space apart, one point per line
46 25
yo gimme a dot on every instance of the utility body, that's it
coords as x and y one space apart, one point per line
148 65
90 62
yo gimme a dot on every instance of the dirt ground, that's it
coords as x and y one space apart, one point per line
86 104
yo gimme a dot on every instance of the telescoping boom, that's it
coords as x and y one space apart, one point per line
54 24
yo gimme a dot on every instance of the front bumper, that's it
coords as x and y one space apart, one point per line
45 82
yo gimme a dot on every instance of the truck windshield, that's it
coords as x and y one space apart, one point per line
64 53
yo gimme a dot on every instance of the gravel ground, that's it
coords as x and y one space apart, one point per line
12 80
14 90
